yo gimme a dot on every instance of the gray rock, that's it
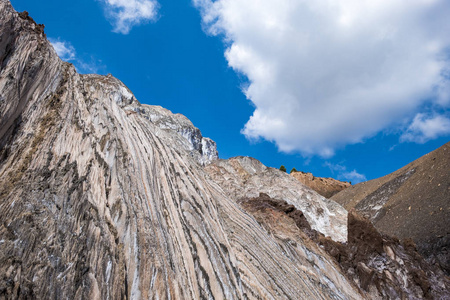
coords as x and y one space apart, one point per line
246 177
104 198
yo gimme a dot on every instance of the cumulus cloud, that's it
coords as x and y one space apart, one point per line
64 49
425 127
124 14
323 74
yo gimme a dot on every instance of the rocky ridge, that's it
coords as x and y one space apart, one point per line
246 177
326 187
102 197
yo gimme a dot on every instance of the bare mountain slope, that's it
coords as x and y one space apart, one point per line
246 177
102 197
413 202
326 187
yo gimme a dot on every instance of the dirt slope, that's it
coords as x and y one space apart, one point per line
413 202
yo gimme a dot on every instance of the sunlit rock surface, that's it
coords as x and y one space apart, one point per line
412 202
326 187
104 198
381 266
246 177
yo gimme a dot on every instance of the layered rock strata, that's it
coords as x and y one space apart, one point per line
246 177
381 266
104 198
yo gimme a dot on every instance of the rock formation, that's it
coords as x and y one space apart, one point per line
246 177
383 267
326 187
102 197
413 202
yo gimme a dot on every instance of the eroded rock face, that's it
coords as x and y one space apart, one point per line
381 266
201 148
246 177
104 198
326 187
385 267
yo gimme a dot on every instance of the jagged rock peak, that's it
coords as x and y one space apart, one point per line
203 149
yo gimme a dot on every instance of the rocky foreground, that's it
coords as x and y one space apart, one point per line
102 197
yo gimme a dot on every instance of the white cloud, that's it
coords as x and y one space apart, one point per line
335 167
125 14
425 128
353 176
64 49
323 74
67 52
342 173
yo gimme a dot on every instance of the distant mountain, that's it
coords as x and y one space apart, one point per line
102 197
413 202
326 187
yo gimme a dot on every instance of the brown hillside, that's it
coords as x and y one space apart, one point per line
413 202
326 187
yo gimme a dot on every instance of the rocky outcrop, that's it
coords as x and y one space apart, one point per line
412 202
104 198
326 187
246 177
203 149
381 266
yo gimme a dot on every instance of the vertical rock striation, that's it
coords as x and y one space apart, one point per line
104 198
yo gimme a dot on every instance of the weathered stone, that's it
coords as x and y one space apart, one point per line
246 177
102 197
367 259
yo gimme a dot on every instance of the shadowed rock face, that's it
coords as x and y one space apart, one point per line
413 202
326 187
104 198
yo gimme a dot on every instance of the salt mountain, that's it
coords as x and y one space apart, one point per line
102 197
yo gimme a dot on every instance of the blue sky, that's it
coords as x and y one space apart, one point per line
352 90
